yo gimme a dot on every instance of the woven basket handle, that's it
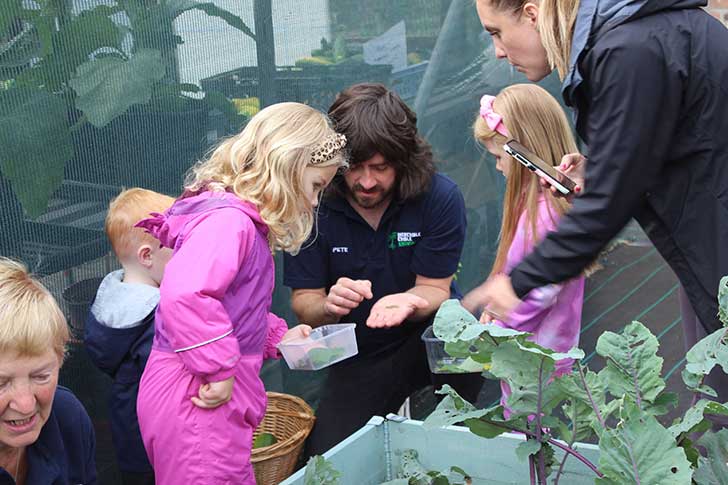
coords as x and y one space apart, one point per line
294 414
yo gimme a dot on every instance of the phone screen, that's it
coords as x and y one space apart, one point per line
543 166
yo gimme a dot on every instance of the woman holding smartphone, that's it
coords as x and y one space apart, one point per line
648 80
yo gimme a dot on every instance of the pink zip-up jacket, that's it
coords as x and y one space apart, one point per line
213 322
551 313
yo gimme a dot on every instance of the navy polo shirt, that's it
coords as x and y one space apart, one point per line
422 236
64 453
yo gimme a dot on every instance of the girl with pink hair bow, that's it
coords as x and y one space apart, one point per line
552 314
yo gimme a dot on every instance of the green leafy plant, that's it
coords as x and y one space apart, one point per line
620 406
414 473
320 471
263 440
458 366
59 71
321 357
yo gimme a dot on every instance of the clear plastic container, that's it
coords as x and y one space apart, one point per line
326 346
441 362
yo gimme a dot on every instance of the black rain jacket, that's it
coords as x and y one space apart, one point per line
649 85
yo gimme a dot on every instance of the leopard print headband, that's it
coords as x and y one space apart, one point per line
329 149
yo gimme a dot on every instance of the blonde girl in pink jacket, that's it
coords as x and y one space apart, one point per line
200 397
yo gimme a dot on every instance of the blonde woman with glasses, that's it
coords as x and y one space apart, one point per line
200 397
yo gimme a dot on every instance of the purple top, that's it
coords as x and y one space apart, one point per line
217 289
551 313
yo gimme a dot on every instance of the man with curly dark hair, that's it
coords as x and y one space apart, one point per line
388 243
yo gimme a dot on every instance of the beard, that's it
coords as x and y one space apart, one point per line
372 198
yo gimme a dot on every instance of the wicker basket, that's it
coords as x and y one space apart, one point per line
290 420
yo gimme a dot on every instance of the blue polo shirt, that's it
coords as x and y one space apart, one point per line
64 453
423 236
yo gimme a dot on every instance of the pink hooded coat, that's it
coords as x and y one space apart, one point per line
551 313
213 322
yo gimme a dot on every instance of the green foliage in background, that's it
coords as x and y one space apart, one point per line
61 70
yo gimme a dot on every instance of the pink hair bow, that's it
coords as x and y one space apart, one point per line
491 118
155 225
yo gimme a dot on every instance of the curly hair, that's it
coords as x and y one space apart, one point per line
376 120
264 165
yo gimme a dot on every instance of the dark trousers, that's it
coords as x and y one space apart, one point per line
377 385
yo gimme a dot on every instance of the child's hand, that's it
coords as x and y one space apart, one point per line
296 333
214 394
294 353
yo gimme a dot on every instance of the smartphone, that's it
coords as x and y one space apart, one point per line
532 162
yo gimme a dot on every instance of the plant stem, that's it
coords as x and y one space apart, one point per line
561 468
553 442
571 443
696 395
532 470
541 463
577 455
589 395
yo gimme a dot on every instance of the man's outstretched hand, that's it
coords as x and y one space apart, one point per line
392 310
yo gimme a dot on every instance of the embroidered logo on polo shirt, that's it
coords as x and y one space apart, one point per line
402 239
340 249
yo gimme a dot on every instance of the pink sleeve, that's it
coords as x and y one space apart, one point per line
528 315
195 282
277 328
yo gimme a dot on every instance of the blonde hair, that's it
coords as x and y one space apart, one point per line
556 20
30 319
534 118
128 208
264 165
